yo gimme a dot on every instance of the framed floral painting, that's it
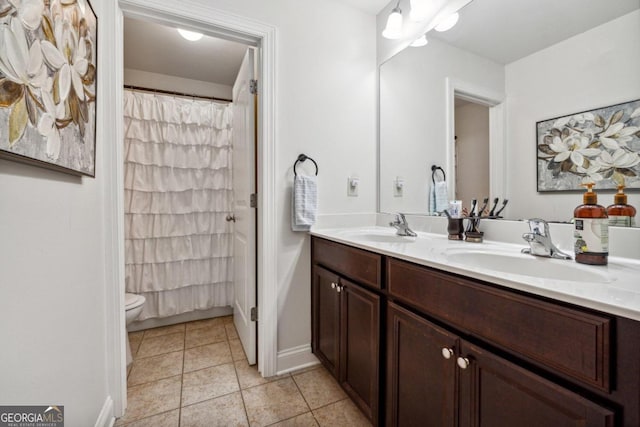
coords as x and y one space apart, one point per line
600 146
48 83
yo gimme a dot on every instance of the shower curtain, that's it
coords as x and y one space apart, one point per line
178 192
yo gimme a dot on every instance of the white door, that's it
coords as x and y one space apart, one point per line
244 185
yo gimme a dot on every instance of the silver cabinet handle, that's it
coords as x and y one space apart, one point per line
447 353
230 218
463 362
333 285
339 288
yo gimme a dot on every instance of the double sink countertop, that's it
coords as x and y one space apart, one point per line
614 288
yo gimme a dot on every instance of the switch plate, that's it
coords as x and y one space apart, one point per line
398 187
352 186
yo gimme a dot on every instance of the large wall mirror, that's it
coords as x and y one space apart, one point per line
504 67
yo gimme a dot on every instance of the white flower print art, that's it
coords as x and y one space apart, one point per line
48 83
600 146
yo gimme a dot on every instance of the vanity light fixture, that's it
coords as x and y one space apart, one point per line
420 41
448 22
393 30
418 11
192 36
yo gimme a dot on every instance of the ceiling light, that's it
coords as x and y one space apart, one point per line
192 36
418 11
420 41
448 22
393 30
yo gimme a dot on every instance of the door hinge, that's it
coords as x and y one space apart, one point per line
253 86
253 200
254 314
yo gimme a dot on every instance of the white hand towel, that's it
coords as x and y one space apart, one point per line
304 203
440 196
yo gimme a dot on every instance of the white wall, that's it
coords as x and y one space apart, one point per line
594 69
150 80
413 125
52 282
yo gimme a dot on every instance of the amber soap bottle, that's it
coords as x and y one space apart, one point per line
591 230
620 213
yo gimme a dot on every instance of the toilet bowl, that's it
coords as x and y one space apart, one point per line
133 305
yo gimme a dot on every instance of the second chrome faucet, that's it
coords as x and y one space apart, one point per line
539 239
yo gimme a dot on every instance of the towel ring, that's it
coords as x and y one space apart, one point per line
301 158
434 169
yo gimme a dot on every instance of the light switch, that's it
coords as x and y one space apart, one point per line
352 186
398 187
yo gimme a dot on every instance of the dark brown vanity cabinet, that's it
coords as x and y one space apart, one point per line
421 371
435 378
495 392
346 323
462 352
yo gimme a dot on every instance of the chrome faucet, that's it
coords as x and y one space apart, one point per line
400 223
539 240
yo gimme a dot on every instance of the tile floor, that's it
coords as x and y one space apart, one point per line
196 374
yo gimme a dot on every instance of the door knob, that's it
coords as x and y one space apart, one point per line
339 288
447 353
333 285
230 218
463 362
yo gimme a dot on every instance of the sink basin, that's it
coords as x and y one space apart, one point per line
527 265
376 235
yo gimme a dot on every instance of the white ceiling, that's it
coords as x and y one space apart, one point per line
502 30
372 7
160 49
507 30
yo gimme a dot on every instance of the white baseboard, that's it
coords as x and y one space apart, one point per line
295 358
106 417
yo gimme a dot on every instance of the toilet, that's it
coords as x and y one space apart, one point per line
133 305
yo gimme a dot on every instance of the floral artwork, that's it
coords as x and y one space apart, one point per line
48 83
599 146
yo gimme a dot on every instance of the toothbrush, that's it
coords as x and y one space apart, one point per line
470 226
495 205
485 202
472 211
504 204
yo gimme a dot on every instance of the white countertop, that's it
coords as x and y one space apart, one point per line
614 288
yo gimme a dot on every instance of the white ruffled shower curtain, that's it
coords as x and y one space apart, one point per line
178 192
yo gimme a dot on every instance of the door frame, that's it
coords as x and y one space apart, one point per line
497 146
215 22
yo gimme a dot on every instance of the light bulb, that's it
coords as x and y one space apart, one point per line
448 22
393 30
192 36
420 41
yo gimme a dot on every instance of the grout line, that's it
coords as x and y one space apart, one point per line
244 404
184 345
301 393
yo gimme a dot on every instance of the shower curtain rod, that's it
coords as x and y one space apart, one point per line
169 92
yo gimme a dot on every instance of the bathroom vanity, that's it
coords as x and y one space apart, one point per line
423 340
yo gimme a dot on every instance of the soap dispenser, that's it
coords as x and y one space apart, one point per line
620 213
591 230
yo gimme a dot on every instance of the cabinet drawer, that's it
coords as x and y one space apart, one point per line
575 343
361 266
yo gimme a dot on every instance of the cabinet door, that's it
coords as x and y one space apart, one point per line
360 349
421 371
326 318
495 392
